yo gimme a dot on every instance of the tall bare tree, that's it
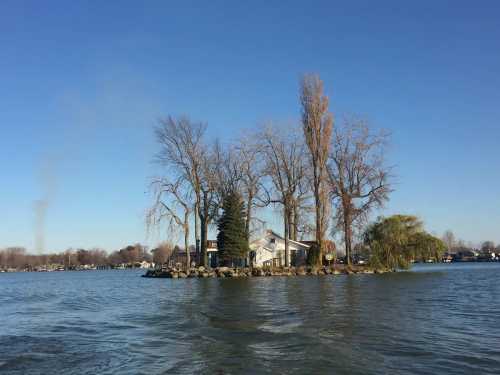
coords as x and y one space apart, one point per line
209 200
227 168
183 152
252 169
173 203
449 240
317 124
284 159
359 179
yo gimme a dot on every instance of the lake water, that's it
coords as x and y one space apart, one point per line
436 319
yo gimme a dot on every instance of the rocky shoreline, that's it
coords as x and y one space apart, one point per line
223 272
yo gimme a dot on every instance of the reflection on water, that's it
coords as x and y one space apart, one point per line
435 319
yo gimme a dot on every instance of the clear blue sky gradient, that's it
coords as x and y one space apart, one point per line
83 82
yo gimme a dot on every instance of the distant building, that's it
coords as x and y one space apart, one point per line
212 252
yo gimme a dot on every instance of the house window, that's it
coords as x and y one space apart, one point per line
273 240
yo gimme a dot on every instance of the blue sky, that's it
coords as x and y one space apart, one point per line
82 84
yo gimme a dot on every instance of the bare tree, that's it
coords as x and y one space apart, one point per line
317 124
183 151
488 246
252 170
173 203
301 210
357 174
209 201
284 160
227 166
162 253
449 240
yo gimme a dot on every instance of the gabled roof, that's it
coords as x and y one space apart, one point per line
273 233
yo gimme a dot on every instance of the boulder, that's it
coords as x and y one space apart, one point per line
257 272
301 271
182 275
312 271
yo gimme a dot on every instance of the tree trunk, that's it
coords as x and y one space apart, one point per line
347 233
204 229
295 226
249 215
186 239
197 230
204 234
319 229
287 245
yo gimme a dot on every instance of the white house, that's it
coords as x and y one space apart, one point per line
269 250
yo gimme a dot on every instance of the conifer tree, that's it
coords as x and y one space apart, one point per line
232 242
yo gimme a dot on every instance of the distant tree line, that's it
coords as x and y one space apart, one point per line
19 258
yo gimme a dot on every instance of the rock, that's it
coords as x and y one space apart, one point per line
257 272
229 272
301 271
182 275
174 275
201 269
312 271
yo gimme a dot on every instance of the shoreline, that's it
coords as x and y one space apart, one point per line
236 272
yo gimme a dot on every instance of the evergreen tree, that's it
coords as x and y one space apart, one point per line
232 242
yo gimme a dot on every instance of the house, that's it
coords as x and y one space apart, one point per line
269 251
212 253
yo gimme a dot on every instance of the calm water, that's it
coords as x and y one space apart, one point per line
437 319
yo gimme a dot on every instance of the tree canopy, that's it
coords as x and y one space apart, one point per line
398 240
232 242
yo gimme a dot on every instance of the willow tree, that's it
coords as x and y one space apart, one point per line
317 124
388 240
396 241
358 177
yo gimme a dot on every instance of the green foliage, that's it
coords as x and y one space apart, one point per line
425 246
313 255
232 242
397 240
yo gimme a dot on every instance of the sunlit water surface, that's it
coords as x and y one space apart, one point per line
436 319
